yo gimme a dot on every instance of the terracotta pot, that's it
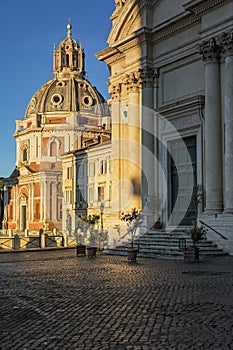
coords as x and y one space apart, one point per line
191 254
81 249
91 252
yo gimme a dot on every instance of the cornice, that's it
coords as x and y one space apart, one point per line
119 49
196 102
178 24
200 6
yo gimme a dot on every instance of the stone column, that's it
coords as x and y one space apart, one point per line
227 42
213 128
148 141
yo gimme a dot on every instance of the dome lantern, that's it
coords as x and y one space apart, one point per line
69 58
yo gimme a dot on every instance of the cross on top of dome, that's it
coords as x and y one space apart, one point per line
69 27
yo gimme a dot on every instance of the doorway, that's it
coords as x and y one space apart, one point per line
183 181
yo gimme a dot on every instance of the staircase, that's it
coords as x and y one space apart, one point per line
161 244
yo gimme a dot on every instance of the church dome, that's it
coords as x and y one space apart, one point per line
68 91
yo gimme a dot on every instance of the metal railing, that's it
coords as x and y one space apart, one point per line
211 228
17 242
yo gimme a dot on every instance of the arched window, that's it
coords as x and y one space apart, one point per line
25 155
53 149
10 212
60 212
37 211
67 59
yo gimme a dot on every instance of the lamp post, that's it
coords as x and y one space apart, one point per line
101 221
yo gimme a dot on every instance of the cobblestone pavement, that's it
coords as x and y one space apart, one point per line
55 300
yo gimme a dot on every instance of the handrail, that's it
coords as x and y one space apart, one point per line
203 223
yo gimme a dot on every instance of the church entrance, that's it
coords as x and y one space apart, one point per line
183 181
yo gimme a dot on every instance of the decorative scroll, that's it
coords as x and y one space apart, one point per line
120 4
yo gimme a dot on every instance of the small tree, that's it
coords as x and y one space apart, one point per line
133 220
91 220
197 233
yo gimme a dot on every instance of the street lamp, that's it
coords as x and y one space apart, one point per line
101 221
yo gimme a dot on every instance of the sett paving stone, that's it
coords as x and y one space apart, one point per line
55 300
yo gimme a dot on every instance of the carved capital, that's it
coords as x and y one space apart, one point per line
132 81
114 91
226 40
148 76
209 50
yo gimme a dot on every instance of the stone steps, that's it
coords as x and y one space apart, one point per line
160 244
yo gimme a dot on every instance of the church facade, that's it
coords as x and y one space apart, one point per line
171 129
171 87
62 115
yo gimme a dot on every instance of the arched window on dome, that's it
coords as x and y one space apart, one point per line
67 59
25 155
53 149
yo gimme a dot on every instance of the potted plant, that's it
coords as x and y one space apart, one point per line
133 220
197 233
91 220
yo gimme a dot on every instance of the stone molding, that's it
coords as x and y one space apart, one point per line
209 50
200 6
162 33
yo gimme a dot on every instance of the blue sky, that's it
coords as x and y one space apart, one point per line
28 31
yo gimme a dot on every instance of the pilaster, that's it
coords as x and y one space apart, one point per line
227 42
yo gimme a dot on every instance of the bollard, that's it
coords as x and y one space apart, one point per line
64 240
16 242
26 232
9 232
54 231
42 241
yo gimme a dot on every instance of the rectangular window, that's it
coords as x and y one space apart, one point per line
110 193
100 193
80 195
90 194
69 173
91 169
80 170
68 197
103 167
